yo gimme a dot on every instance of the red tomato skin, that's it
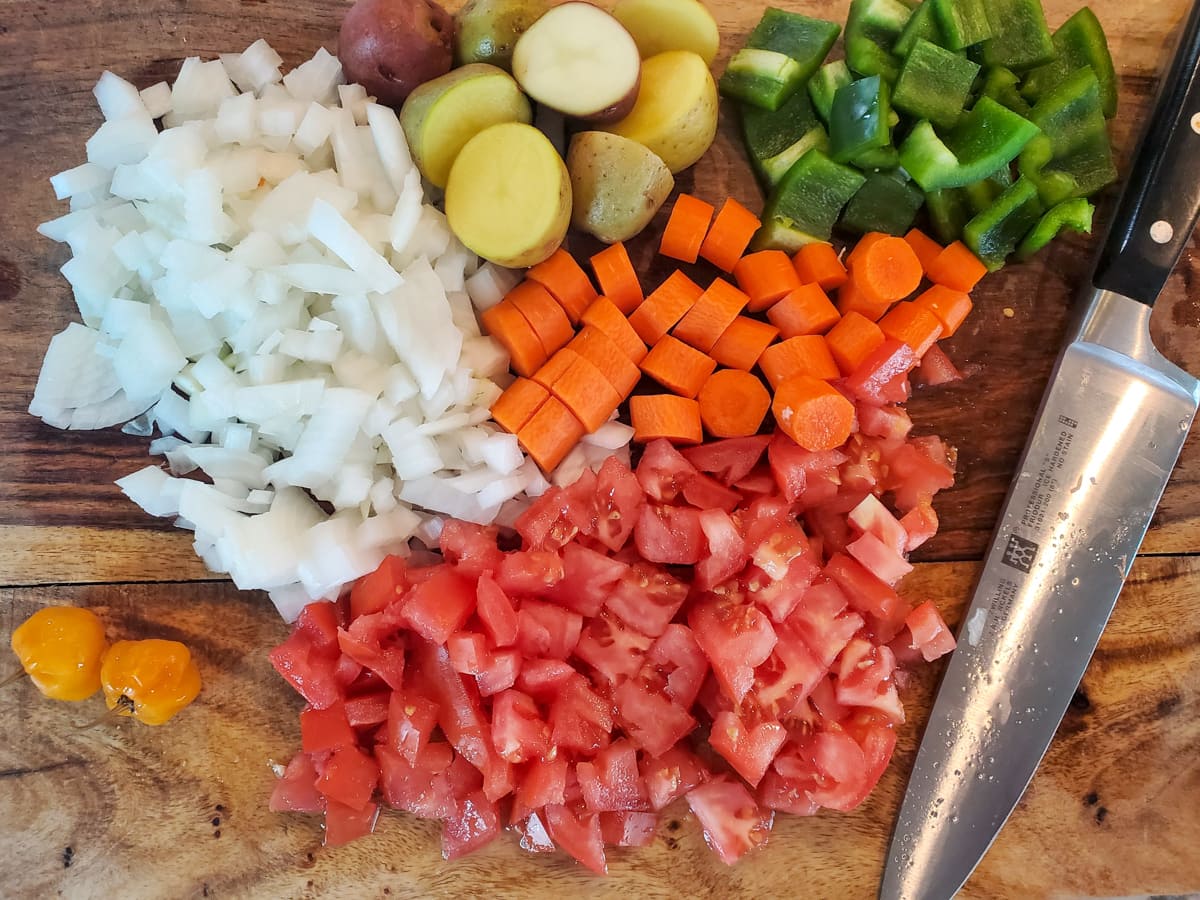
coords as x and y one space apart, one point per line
579 835
308 669
496 612
499 673
439 606
344 824
869 383
376 641
377 590
326 729
349 776
542 782
411 720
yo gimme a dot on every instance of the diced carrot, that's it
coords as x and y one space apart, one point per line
678 367
806 354
957 267
733 403
950 306
686 228
665 416
617 278
765 277
852 340
743 343
550 434
545 316
709 316
813 413
926 248
806 310
585 391
505 323
913 325
852 298
566 281
818 263
602 352
865 243
665 306
603 315
518 403
887 269
554 368
729 235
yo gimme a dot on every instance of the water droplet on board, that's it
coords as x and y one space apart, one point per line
1074 583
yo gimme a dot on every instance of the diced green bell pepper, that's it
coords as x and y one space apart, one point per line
758 73
776 140
859 119
982 194
879 160
1020 38
1072 157
872 27
984 139
935 84
964 23
994 233
949 213
923 25
806 204
1080 42
825 83
1000 84
884 203
1075 214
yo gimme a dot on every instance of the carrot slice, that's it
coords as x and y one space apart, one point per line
852 340
865 243
678 367
957 267
818 263
852 298
887 270
708 318
806 310
603 353
813 413
566 281
659 312
729 235
617 278
926 248
806 354
518 403
585 391
686 228
550 434
505 323
545 316
733 403
913 325
665 416
743 343
765 277
950 306
603 315
554 368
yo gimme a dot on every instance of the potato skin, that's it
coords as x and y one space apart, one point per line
617 185
391 46
487 30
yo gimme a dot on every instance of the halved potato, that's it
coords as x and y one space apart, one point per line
661 25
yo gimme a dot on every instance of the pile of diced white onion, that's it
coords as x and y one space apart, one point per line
263 282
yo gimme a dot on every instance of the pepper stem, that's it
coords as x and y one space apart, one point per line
15 676
123 709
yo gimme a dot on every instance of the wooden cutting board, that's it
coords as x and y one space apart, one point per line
180 811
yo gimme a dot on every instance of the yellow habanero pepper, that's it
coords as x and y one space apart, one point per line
60 648
150 680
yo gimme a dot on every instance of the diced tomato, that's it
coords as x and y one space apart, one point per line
870 516
548 523
580 719
821 622
326 729
612 649
543 679
759 482
920 524
864 678
426 788
748 746
542 782
677 664
729 460
929 632
671 775
439 606
936 368
529 573
867 593
789 674
546 630
519 733
578 834
468 652
736 637
611 782
879 559
349 776
496 612
375 591
376 642
878 743
789 795
535 838
824 701
473 824
670 535
663 471
460 713
917 470
411 720
588 578
297 790
764 517
726 550
472 548
311 670
320 622
703 492
617 504
344 823
499 672
891 359
651 719
646 598
891 423
629 828
803 475
732 821
828 767
368 710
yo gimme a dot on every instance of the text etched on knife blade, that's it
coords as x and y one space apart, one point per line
1046 483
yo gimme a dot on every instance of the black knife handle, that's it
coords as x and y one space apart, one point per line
1159 206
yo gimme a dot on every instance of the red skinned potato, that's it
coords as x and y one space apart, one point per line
391 46
581 61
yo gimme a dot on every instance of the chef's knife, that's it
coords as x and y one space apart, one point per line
1107 435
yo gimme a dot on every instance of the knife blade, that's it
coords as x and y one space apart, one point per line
1108 432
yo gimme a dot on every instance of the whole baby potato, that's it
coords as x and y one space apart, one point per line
391 46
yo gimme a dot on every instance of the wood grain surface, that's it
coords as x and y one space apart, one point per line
180 811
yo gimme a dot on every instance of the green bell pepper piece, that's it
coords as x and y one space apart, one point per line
859 119
1072 157
872 27
935 84
776 140
825 83
964 23
1020 38
760 73
949 213
994 233
983 194
1075 214
806 204
984 139
1000 84
880 160
922 25
1080 42
884 203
